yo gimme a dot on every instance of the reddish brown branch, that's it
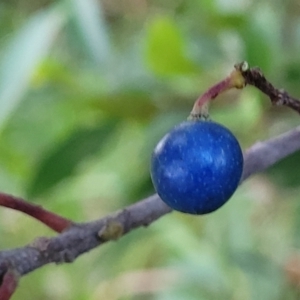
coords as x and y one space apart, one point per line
254 76
9 284
53 221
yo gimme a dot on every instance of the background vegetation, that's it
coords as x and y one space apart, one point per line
88 87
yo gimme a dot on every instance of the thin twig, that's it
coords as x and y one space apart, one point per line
254 76
52 220
9 284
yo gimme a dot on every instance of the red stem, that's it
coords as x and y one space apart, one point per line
9 284
213 92
53 221
234 80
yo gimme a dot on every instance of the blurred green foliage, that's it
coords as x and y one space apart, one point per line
88 87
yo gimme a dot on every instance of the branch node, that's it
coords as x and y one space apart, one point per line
66 256
112 230
40 243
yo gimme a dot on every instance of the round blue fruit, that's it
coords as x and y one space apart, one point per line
197 166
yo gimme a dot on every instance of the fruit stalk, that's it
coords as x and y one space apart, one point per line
234 80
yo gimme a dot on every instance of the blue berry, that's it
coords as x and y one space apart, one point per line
197 166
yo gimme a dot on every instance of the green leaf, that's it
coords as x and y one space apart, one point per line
23 55
126 104
258 51
165 53
93 29
262 38
283 172
264 276
63 159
